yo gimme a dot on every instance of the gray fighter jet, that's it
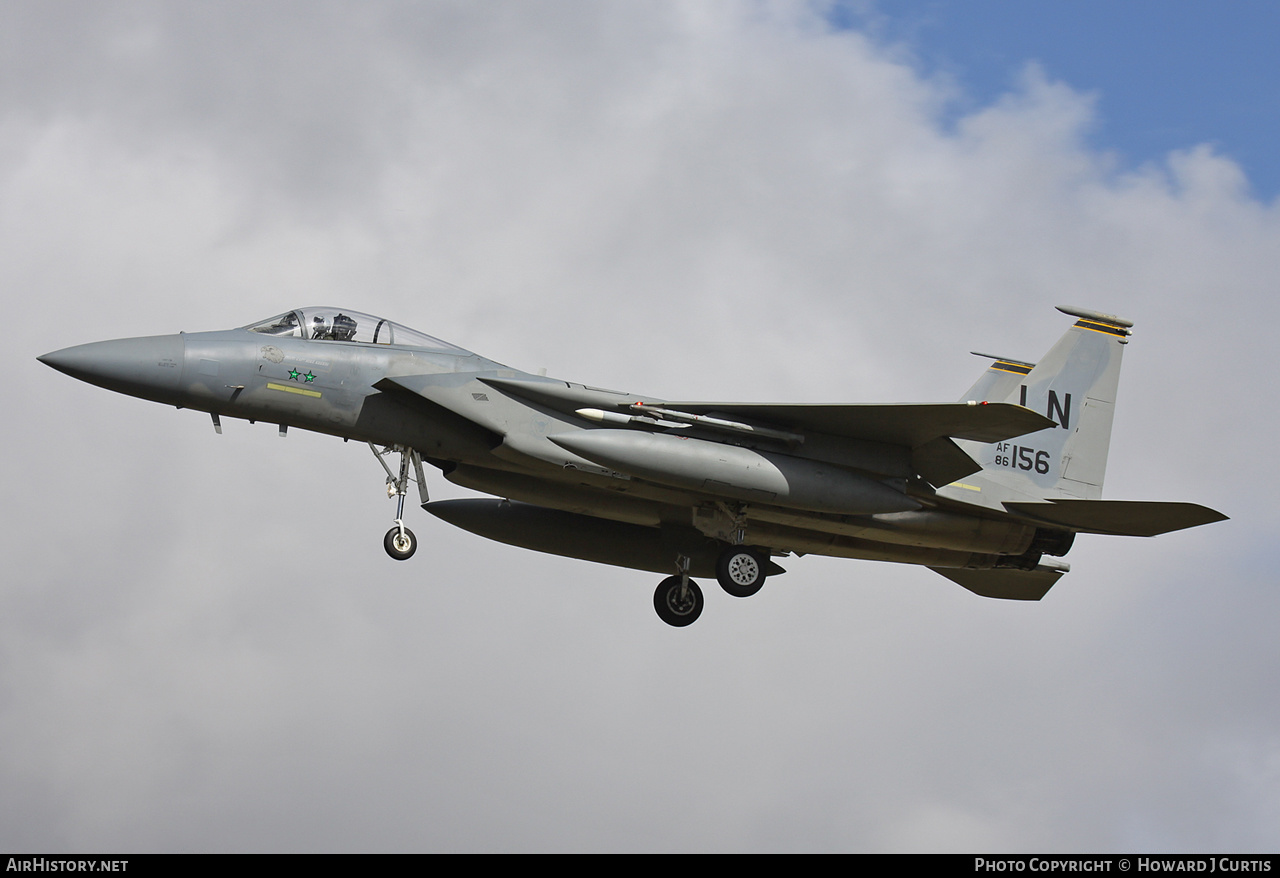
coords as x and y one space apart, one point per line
989 491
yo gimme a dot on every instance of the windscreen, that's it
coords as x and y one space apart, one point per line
338 324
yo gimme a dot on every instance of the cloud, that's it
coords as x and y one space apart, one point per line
202 646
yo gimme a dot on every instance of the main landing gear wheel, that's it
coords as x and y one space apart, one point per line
676 605
740 572
400 543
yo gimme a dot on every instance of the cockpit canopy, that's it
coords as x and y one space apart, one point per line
334 324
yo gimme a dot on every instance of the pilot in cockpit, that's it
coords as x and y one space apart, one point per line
340 328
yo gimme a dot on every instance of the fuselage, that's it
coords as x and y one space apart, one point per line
531 439
980 490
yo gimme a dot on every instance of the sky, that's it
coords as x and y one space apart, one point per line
203 647
1164 73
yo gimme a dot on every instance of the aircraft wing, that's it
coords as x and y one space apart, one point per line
927 429
452 397
909 424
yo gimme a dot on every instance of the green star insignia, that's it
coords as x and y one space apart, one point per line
293 374
309 377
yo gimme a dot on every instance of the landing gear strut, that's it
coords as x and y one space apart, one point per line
400 542
678 599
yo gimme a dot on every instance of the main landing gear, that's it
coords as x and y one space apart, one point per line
739 570
678 599
400 542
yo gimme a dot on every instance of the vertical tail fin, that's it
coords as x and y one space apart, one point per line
1075 385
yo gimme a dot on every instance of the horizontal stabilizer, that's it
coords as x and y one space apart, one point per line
1009 584
1129 518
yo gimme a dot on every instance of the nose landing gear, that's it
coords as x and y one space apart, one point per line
400 542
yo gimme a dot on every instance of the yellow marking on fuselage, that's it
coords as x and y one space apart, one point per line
963 485
299 390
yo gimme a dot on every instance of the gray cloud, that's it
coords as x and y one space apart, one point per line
202 645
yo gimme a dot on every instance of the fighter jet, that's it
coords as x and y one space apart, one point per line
989 491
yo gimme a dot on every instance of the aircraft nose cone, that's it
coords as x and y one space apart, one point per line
147 367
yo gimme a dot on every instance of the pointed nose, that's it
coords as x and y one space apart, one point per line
147 367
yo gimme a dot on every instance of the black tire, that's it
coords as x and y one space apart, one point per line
400 549
672 608
740 571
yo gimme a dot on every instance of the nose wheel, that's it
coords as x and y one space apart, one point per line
400 542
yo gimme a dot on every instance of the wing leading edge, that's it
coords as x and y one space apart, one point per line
909 424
